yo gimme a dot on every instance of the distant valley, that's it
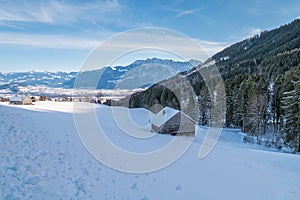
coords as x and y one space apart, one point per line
119 77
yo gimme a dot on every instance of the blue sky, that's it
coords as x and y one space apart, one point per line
59 35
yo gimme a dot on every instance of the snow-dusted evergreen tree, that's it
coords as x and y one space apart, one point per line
258 102
191 109
233 117
276 109
243 105
252 105
291 107
204 100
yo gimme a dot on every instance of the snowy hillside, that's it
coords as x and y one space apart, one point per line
42 157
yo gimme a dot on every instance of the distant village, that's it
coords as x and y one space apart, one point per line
30 100
165 121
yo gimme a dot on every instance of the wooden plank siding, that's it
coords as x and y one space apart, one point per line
179 124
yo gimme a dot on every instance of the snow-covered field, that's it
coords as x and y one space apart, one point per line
42 157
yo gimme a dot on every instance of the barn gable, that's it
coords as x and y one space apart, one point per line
174 122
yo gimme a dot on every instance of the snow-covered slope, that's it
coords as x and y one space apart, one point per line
42 157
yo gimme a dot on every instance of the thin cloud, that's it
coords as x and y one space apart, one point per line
68 42
212 48
55 12
48 41
11 26
179 12
185 12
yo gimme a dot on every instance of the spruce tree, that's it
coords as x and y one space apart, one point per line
204 100
291 107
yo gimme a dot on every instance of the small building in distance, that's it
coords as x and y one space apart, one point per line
4 99
35 99
174 122
20 100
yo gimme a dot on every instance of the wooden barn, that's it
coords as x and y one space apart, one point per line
4 99
174 122
20 100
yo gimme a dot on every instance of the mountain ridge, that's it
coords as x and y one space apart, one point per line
60 79
110 77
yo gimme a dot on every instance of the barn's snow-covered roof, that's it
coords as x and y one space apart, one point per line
162 116
17 98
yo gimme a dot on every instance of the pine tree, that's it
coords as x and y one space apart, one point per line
242 108
230 103
234 101
204 100
276 104
253 105
291 107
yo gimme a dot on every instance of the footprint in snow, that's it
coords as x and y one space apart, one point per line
133 187
178 187
33 180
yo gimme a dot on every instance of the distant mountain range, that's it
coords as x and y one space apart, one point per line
139 74
11 82
124 77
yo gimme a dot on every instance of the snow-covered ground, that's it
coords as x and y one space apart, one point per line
42 157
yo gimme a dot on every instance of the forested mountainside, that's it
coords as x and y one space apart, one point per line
262 82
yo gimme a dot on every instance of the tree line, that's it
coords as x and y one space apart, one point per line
257 106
